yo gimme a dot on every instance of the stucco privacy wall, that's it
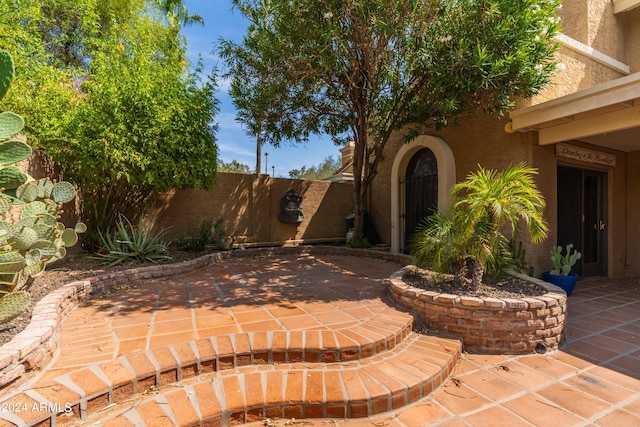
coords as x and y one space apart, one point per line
249 206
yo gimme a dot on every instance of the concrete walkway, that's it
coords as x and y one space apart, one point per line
314 341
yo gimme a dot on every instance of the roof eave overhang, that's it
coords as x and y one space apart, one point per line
609 107
620 6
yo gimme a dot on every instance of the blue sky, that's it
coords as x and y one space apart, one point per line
221 21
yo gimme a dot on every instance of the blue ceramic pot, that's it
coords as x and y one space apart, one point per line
565 282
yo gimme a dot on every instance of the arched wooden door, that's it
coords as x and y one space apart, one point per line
421 192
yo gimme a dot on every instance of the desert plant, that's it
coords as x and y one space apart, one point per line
468 233
361 243
440 244
517 258
562 263
211 232
132 243
192 242
36 237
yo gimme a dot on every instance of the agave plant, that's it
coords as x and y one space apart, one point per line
132 243
37 237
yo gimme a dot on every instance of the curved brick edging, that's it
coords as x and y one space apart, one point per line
489 325
35 345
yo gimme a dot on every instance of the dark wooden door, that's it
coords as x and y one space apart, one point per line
594 224
421 191
582 201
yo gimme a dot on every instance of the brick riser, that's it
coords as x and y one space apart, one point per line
424 362
385 382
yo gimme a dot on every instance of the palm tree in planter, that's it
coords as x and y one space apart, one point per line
467 235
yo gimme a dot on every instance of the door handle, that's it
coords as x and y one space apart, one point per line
602 225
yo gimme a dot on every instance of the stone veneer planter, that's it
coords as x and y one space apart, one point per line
489 325
34 346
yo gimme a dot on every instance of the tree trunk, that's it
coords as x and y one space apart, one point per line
478 273
360 178
258 152
360 205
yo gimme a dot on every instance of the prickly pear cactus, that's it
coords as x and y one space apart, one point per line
562 264
37 238
12 305
11 151
7 70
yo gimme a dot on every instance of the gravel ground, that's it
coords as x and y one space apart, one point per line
507 287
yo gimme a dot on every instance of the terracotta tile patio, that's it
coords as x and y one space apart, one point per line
316 339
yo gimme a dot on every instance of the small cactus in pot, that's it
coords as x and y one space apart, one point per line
562 264
31 235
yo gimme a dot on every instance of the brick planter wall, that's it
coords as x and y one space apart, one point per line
35 345
489 325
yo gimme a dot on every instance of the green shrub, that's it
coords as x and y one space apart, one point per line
132 243
362 243
191 243
210 233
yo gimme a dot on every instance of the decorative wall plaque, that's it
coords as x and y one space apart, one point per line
291 207
585 155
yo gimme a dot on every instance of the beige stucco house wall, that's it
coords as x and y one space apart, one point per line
587 121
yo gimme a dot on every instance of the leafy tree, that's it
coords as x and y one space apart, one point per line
471 229
361 70
257 97
233 166
141 130
127 119
42 90
323 170
177 14
53 42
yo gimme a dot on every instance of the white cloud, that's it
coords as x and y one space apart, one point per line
229 147
227 121
224 84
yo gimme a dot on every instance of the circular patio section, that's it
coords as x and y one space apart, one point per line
304 332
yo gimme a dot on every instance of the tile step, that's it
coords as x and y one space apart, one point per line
354 389
206 392
88 389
